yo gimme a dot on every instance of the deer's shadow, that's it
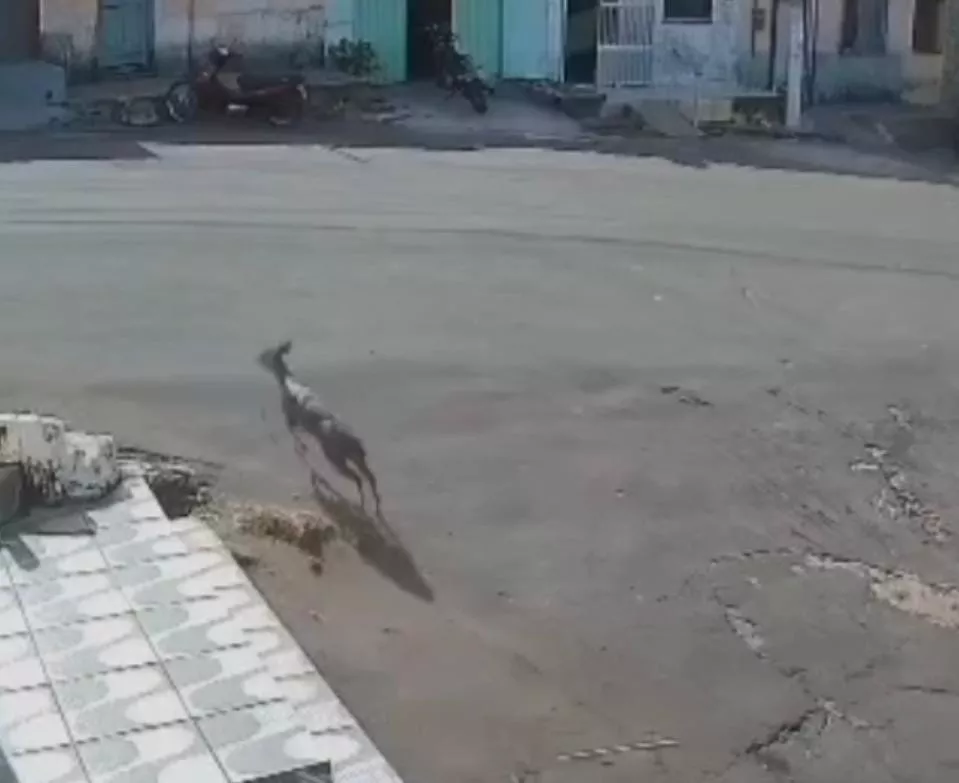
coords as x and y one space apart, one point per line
374 540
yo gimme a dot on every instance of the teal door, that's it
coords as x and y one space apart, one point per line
382 23
479 26
527 30
124 33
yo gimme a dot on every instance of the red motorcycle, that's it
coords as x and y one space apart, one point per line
280 99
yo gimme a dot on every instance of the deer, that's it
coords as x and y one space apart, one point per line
307 416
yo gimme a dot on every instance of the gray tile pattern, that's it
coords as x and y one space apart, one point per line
142 654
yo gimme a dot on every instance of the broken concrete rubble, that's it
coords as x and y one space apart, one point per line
55 463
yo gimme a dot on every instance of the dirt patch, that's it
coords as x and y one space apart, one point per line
181 485
186 487
306 530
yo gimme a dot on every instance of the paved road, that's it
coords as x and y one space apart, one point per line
590 555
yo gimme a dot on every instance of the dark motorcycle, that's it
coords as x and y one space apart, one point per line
455 70
278 99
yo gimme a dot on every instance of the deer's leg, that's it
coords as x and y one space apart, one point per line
363 467
343 468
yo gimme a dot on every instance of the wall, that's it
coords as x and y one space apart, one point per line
687 51
18 29
290 32
844 76
68 34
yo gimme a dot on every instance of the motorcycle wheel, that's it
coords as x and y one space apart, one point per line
475 93
290 111
181 102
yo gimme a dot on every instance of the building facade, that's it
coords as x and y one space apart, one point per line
100 37
855 48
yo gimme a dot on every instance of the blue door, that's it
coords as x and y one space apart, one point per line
529 39
479 26
382 23
124 33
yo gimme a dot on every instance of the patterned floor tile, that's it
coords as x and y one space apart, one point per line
70 600
52 557
94 647
126 511
12 620
224 619
177 579
223 680
317 707
61 765
124 534
261 741
355 759
30 720
118 702
285 659
20 665
199 540
170 754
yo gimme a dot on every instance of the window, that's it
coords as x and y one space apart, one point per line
864 26
927 24
688 10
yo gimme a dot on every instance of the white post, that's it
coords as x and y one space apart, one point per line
794 67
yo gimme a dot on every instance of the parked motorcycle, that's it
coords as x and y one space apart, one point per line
455 70
279 99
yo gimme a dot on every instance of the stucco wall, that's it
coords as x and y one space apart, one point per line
285 31
290 31
709 52
842 76
68 33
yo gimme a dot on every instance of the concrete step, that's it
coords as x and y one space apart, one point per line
666 118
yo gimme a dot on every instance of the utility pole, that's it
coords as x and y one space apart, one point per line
794 67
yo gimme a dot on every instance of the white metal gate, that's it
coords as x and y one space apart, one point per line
624 51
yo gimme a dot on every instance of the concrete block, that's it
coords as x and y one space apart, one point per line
57 463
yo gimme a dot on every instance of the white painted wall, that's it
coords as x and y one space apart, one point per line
277 28
900 71
282 28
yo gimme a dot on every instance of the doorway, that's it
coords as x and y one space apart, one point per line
125 32
19 30
582 17
419 51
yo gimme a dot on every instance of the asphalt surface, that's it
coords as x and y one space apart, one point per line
615 405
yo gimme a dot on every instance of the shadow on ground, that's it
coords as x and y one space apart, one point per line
350 137
374 540
38 146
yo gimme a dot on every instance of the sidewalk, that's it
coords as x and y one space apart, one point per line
883 126
106 100
134 647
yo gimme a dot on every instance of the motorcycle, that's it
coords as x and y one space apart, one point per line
455 70
279 99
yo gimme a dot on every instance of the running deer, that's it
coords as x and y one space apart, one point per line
306 415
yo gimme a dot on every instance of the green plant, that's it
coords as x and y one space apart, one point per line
357 58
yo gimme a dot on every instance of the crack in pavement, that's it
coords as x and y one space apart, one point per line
936 604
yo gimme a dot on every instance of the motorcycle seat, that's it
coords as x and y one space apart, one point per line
249 81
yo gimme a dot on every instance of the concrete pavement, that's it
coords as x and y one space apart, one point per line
607 556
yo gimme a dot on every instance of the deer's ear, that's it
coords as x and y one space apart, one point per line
284 347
